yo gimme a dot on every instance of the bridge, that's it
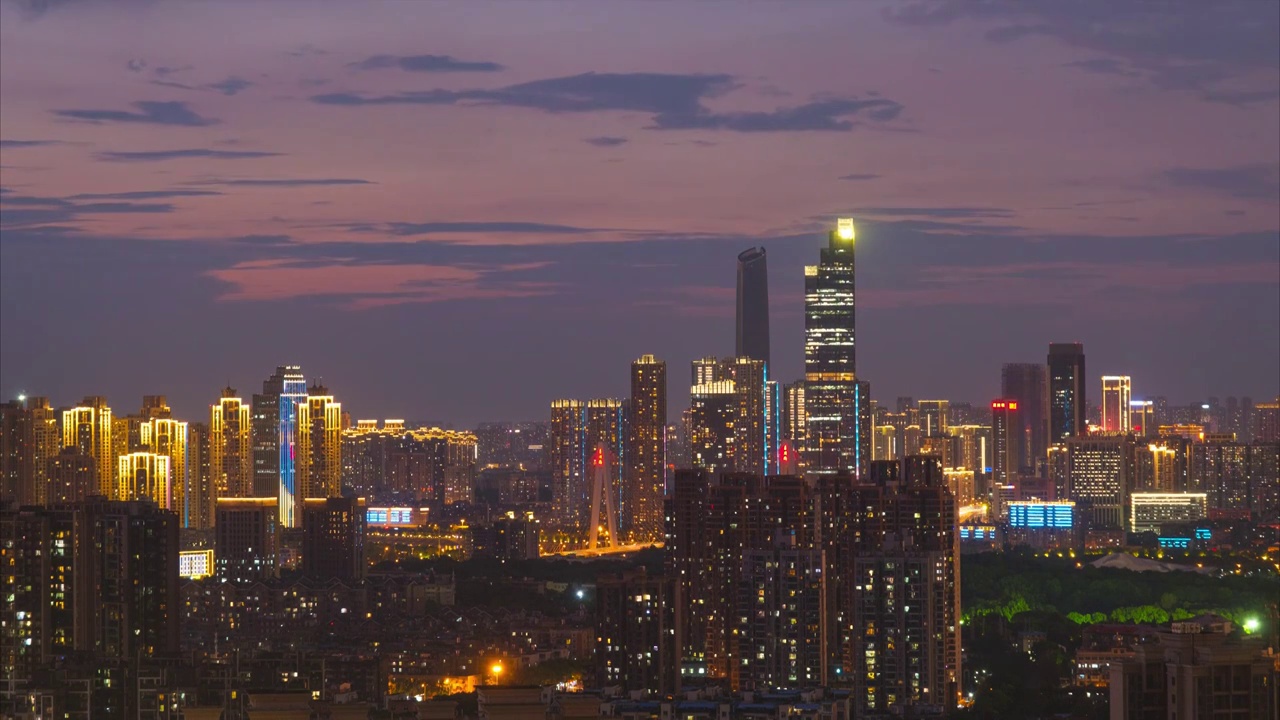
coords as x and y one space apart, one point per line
599 551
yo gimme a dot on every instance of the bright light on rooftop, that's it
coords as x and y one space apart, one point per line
844 228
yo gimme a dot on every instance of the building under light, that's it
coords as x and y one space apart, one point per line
88 428
145 476
195 564
318 466
1115 403
1149 511
230 446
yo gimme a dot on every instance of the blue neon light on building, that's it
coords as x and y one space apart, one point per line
293 394
1051 516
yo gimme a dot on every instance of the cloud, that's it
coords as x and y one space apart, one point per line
674 101
230 86
144 195
13 144
606 141
264 240
424 63
291 182
400 228
1240 98
938 212
43 211
859 176
1178 44
368 285
151 112
161 155
1246 182
1102 66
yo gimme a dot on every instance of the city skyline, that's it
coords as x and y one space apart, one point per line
195 169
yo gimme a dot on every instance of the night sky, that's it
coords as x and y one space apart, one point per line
460 211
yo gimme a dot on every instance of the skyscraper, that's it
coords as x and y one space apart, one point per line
795 425
753 306
145 476
576 428
274 431
168 437
832 393
230 448
647 469
712 411
1026 383
1115 403
318 466
247 538
333 538
1067 402
1006 460
933 417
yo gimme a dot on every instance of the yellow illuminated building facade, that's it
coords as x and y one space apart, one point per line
88 428
46 443
145 476
230 447
168 437
319 445
1115 403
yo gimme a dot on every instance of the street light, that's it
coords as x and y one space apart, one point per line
496 669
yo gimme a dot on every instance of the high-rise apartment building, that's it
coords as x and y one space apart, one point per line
1101 476
169 438
231 454
71 477
713 410
318 466
1267 422
637 616
933 416
247 541
333 535
1116 396
1027 384
145 476
577 427
647 452
202 494
274 430
752 339
1142 418
836 439
428 464
794 422
88 427
519 445
1067 401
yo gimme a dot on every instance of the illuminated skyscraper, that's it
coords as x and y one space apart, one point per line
750 431
1101 476
1142 417
145 476
87 427
713 408
1067 404
1115 403
753 306
318 467
933 417
647 469
168 437
1026 383
837 439
230 446
1005 424
576 428
274 432
795 425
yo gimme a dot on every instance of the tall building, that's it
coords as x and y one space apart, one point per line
713 409
318 466
753 306
1027 384
1116 397
247 541
14 461
1267 422
636 643
202 494
512 445
169 438
1142 418
834 439
87 427
794 422
72 477
273 434
230 446
1100 470
1006 426
576 428
933 417
333 536
428 464
146 476
750 425
647 468
1067 401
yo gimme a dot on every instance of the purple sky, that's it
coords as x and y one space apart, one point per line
460 211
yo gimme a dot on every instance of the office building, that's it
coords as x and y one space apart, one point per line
1100 477
1067 400
637 616
88 427
231 456
1027 384
1148 511
274 431
1006 428
247 544
752 339
647 452
1116 397
318 465
333 536
836 439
